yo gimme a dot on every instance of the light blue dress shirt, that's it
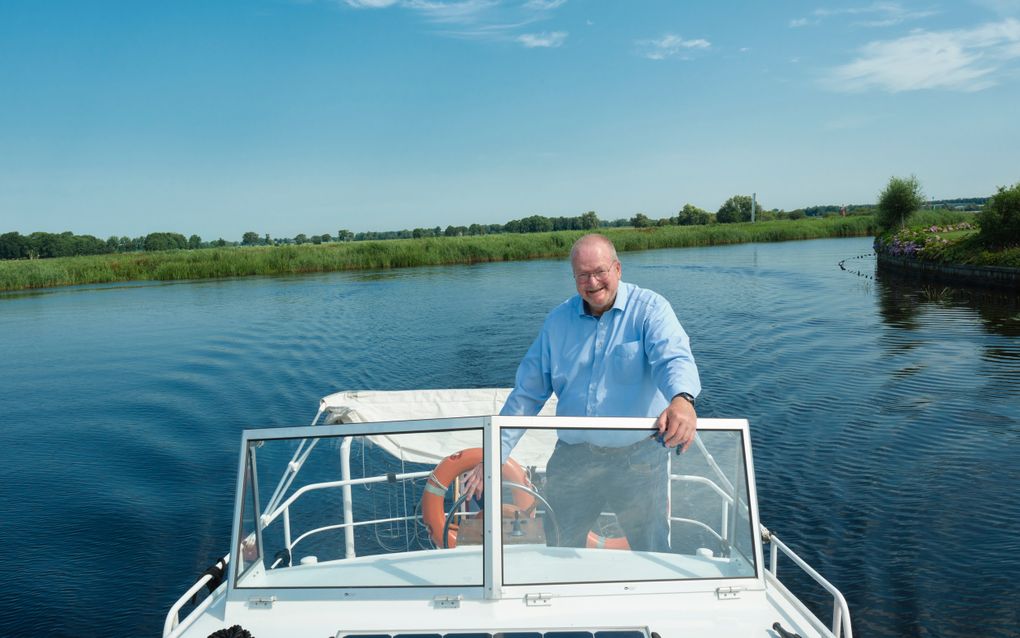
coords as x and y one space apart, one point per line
629 362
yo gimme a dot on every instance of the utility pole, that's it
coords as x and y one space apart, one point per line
754 204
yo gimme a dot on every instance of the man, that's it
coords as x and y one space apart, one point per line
612 350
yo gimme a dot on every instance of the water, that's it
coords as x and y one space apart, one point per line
885 417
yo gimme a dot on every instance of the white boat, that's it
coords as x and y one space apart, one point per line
336 532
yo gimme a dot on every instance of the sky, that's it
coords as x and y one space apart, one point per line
217 117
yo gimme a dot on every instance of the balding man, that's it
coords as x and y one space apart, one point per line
611 350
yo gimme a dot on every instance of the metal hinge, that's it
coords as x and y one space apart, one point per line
261 602
538 600
447 602
728 593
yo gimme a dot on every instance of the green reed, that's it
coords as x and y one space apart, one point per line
210 263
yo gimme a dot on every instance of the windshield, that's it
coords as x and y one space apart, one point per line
390 510
629 509
353 500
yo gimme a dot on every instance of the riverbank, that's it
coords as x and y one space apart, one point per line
215 263
951 254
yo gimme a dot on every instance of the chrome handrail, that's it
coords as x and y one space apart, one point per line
841 627
173 616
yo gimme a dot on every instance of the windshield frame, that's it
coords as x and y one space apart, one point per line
492 547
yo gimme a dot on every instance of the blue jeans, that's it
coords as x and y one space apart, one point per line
583 480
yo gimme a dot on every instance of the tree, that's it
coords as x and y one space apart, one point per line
898 201
641 221
691 215
164 241
250 238
736 209
301 238
325 238
194 242
1000 218
13 246
589 221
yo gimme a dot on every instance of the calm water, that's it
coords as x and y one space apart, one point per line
885 417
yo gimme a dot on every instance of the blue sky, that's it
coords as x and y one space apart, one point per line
306 116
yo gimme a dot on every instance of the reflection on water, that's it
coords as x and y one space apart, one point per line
904 302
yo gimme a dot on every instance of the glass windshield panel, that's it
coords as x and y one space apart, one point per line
627 511
248 547
368 511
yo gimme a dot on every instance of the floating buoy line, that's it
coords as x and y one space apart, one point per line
842 266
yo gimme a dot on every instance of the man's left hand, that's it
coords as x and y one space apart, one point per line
677 423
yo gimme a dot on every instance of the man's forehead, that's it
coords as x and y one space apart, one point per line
592 251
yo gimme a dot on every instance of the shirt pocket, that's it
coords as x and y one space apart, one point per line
627 363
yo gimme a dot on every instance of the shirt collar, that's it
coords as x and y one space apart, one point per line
620 303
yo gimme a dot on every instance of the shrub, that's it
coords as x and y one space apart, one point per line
1000 219
901 197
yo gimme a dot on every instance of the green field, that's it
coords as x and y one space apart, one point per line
211 263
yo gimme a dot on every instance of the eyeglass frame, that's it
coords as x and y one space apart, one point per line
599 275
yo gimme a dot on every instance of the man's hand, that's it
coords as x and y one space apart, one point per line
677 423
475 482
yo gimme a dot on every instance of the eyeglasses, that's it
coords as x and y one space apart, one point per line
599 274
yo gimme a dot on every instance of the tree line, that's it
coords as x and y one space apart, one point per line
14 245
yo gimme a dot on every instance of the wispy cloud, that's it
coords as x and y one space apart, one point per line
958 60
670 46
481 19
545 5
877 14
460 12
371 4
543 40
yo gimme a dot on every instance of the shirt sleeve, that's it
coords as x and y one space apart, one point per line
668 349
532 388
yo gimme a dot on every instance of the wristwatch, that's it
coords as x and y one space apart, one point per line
685 395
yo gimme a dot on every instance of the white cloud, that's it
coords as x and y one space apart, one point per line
877 14
494 20
800 22
459 12
958 60
371 4
543 40
544 5
670 45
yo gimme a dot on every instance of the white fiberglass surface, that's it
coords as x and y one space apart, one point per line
363 522
616 505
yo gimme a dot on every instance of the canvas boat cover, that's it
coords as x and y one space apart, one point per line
368 406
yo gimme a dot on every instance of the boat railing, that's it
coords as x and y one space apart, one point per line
841 627
173 617
349 523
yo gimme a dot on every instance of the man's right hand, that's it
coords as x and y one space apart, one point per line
474 485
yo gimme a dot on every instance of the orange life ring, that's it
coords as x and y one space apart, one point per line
442 477
595 541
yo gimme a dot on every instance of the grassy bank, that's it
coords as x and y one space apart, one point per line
214 263
947 241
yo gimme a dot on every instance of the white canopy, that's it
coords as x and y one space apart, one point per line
368 406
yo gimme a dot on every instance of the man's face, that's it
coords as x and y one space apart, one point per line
597 276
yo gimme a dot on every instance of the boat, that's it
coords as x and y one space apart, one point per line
356 527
